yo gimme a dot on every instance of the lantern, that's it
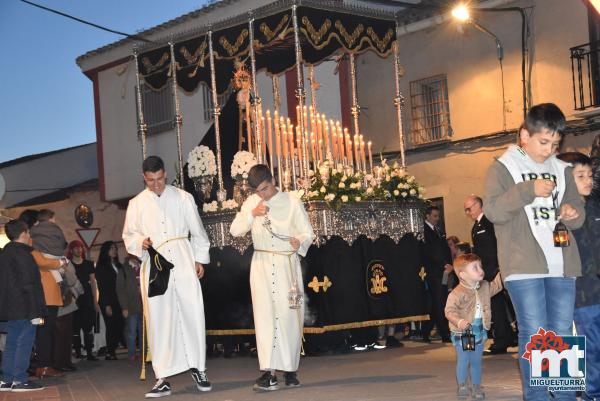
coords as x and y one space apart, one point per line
561 236
468 340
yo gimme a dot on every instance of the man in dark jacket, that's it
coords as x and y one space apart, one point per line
484 246
437 259
22 304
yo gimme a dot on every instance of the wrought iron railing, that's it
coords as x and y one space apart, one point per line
585 67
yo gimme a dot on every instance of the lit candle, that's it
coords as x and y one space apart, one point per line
333 146
312 147
249 129
299 150
326 137
370 156
320 150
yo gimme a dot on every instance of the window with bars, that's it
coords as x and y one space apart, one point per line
430 112
159 111
208 103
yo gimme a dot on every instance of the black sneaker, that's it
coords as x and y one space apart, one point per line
160 389
26 386
266 382
291 380
4 386
201 380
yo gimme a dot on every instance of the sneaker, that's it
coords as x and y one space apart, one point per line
463 391
291 379
160 389
266 382
4 386
26 386
201 380
477 393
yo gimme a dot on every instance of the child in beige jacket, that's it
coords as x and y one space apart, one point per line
468 306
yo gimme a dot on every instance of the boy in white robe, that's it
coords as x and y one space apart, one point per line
280 231
167 218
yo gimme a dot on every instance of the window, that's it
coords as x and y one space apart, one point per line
159 111
430 114
207 100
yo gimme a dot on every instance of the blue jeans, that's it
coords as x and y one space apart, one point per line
543 302
19 341
134 329
468 360
587 322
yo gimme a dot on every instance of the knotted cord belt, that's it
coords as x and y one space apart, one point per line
289 255
144 304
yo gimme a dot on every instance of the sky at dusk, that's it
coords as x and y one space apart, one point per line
46 103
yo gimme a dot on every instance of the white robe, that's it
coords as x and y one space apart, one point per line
175 321
278 328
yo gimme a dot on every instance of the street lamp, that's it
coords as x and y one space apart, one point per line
462 13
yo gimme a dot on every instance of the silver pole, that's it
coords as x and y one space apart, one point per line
216 111
300 95
142 126
398 98
277 109
355 109
256 98
178 116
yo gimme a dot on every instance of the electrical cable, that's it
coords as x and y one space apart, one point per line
135 37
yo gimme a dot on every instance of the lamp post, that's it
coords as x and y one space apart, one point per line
462 13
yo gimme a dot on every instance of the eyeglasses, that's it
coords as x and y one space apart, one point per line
468 208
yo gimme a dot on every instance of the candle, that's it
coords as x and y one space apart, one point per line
249 129
263 140
305 115
312 146
284 138
319 138
341 141
370 156
299 150
334 143
326 137
349 155
363 156
356 150
277 139
269 132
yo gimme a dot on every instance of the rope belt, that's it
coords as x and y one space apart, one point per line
144 304
289 255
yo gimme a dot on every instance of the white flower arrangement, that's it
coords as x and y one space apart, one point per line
210 207
229 204
201 162
213 207
243 161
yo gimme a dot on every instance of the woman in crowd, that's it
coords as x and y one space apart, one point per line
87 303
107 268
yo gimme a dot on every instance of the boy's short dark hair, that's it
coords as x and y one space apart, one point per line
45 215
152 164
15 228
430 209
545 116
29 217
464 247
259 174
575 158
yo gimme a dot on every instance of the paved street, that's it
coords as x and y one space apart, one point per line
416 372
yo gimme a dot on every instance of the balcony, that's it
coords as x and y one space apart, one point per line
585 66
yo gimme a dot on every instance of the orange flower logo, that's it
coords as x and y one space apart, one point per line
544 340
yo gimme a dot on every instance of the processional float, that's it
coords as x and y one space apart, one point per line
345 194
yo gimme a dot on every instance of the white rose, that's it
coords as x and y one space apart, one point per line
344 178
369 190
396 192
342 185
344 198
245 175
413 192
329 197
404 194
358 198
323 190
